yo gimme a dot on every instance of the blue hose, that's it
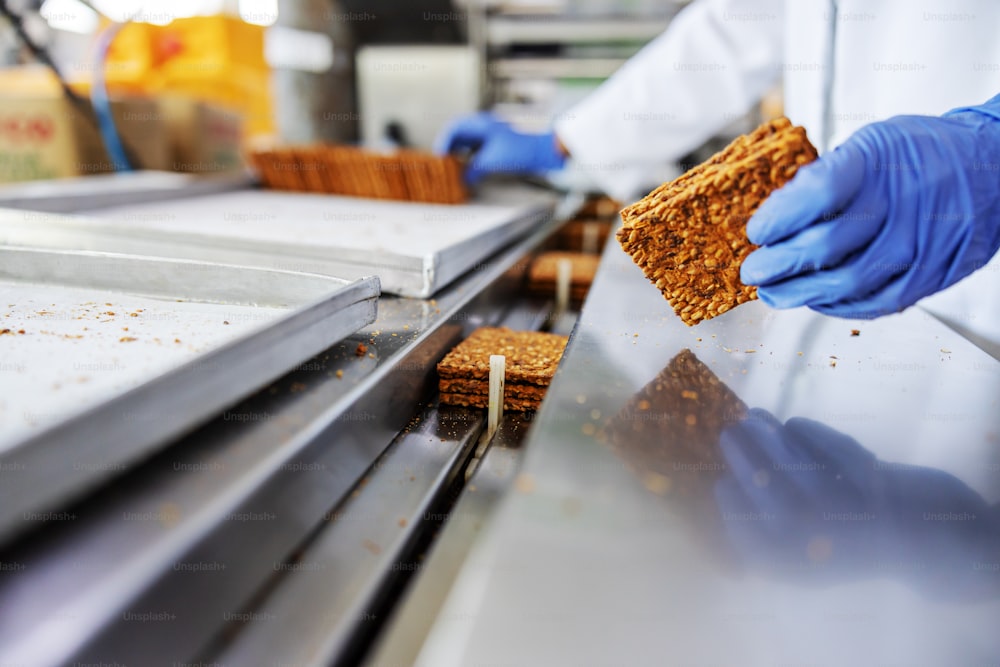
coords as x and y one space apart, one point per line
102 106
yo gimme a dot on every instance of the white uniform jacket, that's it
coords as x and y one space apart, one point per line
843 63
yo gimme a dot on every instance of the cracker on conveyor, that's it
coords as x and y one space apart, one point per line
482 387
689 235
510 402
670 429
545 268
571 235
532 356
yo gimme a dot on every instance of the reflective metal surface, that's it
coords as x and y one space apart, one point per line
414 248
65 195
796 490
151 570
84 397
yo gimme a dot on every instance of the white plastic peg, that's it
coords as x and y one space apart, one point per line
498 368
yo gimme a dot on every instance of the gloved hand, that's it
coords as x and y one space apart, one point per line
500 148
804 501
901 210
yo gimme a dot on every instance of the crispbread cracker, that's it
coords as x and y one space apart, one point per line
531 361
511 403
532 356
689 235
482 387
545 268
347 170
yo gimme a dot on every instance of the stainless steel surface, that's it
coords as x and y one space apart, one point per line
555 68
423 604
590 562
150 570
121 353
541 29
329 602
67 195
328 593
415 249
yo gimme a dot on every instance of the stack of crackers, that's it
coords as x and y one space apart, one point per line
573 235
600 207
545 267
689 235
405 175
532 358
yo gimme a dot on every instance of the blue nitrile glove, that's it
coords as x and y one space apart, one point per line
499 147
901 210
806 502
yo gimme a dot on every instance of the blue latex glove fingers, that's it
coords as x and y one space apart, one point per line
467 133
817 192
889 299
939 222
500 149
820 246
861 285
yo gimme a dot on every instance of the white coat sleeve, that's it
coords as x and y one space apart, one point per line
714 61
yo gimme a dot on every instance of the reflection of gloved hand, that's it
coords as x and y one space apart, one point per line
500 148
805 501
901 210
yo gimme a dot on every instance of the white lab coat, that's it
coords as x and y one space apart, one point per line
843 63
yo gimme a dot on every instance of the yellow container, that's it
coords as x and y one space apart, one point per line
213 43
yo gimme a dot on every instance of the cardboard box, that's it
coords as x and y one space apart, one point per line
45 137
204 138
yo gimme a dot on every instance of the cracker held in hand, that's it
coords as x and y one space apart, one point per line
689 235
532 358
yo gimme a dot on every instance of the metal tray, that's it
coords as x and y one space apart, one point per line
105 357
68 195
415 249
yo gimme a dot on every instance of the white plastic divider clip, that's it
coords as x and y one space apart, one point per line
498 368
564 272
591 238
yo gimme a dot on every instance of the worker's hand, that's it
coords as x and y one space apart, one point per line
901 210
804 501
499 148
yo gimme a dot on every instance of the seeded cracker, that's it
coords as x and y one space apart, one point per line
689 235
532 359
405 175
543 272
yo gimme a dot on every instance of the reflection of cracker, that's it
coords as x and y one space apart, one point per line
670 429
532 356
689 235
